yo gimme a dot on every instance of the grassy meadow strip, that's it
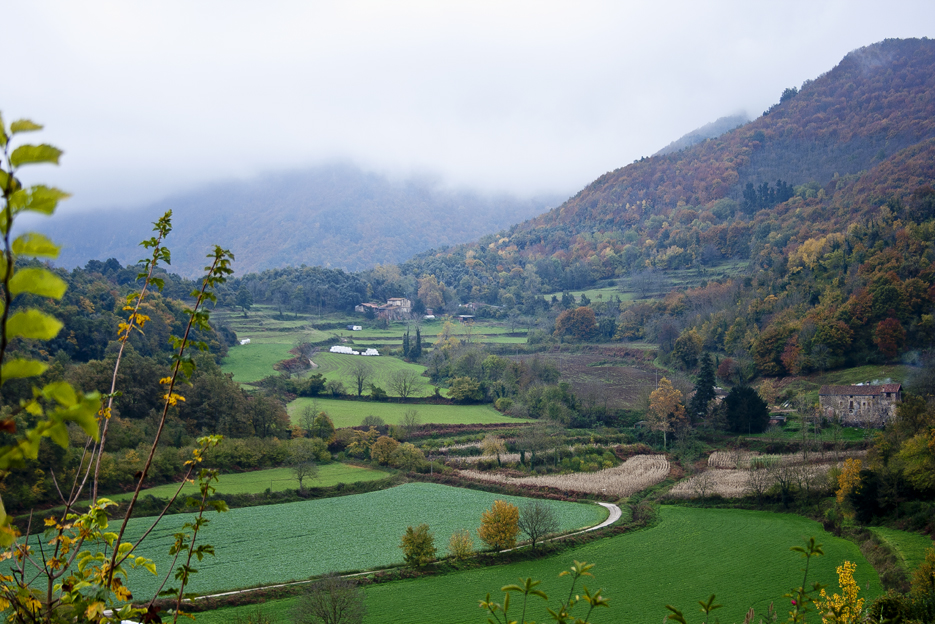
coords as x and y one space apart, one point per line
741 556
910 547
635 474
351 413
313 537
340 367
254 361
274 479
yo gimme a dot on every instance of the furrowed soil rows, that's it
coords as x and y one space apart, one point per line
637 473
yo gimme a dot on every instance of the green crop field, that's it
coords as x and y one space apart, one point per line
278 543
337 366
910 547
351 413
276 479
741 556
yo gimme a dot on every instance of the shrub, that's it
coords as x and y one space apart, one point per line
382 449
461 544
418 545
499 525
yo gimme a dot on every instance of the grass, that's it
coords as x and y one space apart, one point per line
280 543
254 361
275 479
910 547
741 556
351 413
337 366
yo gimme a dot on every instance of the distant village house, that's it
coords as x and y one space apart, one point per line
862 405
396 308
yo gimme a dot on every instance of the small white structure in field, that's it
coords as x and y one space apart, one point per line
343 350
245 341
354 327
371 352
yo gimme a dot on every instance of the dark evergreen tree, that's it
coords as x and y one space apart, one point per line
704 390
745 411
415 350
406 344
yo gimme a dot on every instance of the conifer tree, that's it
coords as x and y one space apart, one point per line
704 390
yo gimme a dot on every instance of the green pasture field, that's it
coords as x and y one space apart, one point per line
337 366
741 556
271 340
276 479
910 547
351 413
254 361
280 543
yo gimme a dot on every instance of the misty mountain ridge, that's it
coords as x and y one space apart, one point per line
336 216
708 131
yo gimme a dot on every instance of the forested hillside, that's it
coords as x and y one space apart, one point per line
333 216
828 196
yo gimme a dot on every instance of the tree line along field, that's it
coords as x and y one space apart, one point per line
741 556
275 479
351 413
314 537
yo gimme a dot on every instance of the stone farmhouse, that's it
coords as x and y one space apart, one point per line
862 405
394 309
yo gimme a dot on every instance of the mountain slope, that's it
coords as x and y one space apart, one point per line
335 216
827 144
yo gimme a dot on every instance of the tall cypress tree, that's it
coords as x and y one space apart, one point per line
704 389
406 344
415 351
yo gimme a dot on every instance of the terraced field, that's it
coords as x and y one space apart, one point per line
351 413
317 536
275 479
741 556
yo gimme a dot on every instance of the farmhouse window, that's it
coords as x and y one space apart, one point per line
852 405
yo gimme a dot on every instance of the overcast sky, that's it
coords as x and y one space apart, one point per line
151 98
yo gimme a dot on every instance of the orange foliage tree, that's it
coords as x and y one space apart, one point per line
499 525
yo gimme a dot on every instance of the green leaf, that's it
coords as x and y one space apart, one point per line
58 433
19 369
24 125
36 245
33 324
83 412
37 281
5 179
61 392
39 198
29 154
6 535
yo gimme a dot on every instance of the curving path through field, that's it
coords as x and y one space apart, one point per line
613 515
